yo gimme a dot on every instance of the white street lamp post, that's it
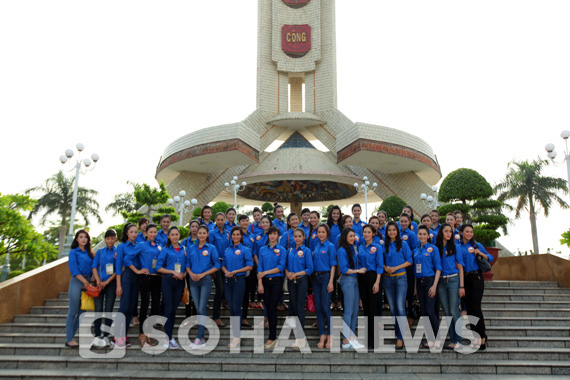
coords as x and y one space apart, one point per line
81 167
182 205
365 188
235 187
429 200
565 134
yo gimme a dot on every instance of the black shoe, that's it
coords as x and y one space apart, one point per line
71 346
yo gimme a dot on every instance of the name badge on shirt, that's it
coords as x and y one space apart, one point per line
418 268
258 237
177 267
372 250
238 252
405 237
431 236
154 264
430 249
109 269
205 253
300 254
457 237
470 250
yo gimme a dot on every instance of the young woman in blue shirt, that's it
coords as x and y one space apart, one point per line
427 269
205 217
410 211
324 260
411 238
80 265
333 222
143 222
221 239
230 219
251 279
272 259
172 264
142 260
357 223
127 284
350 268
236 262
104 274
299 268
261 240
279 213
372 258
312 239
382 219
451 284
201 262
254 227
287 238
397 257
474 282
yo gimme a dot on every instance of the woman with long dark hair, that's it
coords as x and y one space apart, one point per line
474 282
371 258
80 265
127 284
299 268
287 239
202 261
350 268
221 239
450 287
172 264
397 257
272 261
333 222
236 262
427 269
312 239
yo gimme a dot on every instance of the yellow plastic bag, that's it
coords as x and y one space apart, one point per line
87 302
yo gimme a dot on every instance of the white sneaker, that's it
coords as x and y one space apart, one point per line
105 342
291 322
173 345
346 346
96 342
356 344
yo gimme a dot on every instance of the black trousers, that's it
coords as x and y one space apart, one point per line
149 286
250 283
190 309
411 287
369 301
272 293
474 287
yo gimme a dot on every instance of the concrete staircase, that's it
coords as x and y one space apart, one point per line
528 324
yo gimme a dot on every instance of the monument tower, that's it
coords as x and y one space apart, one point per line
297 104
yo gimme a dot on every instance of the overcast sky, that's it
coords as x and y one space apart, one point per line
483 82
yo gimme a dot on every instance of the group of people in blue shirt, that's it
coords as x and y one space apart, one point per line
343 261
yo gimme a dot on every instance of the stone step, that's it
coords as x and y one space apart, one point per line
22 365
487 298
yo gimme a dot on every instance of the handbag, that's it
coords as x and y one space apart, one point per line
186 295
483 264
93 291
310 304
87 302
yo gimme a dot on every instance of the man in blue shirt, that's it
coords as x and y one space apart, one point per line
162 236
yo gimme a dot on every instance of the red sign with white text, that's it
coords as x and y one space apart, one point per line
296 3
296 40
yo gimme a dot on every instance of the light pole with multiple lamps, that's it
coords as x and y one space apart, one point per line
365 188
81 167
429 200
235 187
551 153
182 205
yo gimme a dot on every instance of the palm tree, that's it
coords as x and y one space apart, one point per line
57 198
525 183
123 203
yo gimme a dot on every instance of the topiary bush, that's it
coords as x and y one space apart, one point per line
464 185
393 206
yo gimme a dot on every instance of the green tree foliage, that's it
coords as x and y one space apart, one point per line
56 199
525 183
565 238
393 206
452 207
17 235
464 185
165 211
267 209
123 204
197 212
219 207
150 197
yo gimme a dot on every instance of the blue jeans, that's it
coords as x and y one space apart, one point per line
322 302
297 297
448 293
172 290
129 299
349 286
200 293
73 315
105 302
234 288
427 304
396 288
